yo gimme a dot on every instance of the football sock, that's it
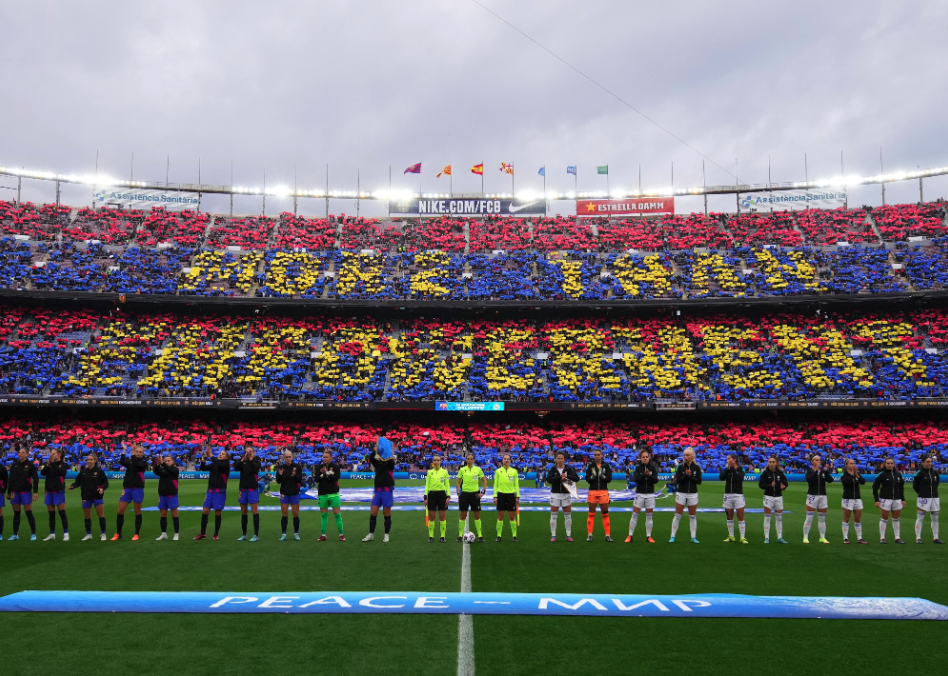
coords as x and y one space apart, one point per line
52 523
606 524
568 523
919 522
897 528
388 523
256 524
138 523
845 530
821 517
648 525
500 528
324 522
102 524
16 523
431 527
32 521
590 523
934 516
163 523
64 519
553 518
1 525
460 527
743 528
675 521
766 526
87 524
693 518
204 524
339 522
882 525
858 530
296 525
477 527
807 524
779 516
633 522
372 521
243 524
283 522
444 527
218 518
730 528
513 527
119 523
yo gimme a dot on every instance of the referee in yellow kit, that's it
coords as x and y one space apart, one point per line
507 496
469 496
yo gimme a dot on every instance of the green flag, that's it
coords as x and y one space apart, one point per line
603 169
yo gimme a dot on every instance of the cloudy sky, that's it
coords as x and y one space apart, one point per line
362 86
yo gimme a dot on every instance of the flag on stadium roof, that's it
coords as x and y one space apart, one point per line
604 169
542 171
571 170
446 171
506 168
413 169
478 169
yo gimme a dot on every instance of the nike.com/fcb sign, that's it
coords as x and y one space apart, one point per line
625 207
467 207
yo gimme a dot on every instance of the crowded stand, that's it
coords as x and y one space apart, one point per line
756 230
643 233
360 234
712 275
900 221
311 234
250 233
40 224
830 226
438 234
216 273
777 272
498 234
562 234
531 446
108 226
882 356
185 228
687 231
856 269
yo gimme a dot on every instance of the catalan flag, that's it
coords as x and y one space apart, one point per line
413 169
446 171
478 169
506 168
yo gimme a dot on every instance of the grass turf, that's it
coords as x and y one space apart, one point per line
203 644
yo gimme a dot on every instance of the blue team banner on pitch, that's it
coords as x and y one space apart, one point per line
554 605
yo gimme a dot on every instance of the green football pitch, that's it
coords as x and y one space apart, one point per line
428 644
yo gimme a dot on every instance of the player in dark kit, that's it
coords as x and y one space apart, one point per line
218 470
167 494
925 484
249 467
290 477
55 472
888 490
383 461
24 485
92 482
327 485
134 487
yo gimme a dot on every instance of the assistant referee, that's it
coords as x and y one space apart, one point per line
469 496
506 496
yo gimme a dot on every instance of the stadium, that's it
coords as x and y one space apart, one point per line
468 417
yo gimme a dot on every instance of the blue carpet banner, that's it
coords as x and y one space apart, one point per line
555 605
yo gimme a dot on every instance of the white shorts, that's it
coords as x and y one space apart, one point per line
929 504
734 501
890 505
853 504
817 501
686 499
561 499
773 504
644 501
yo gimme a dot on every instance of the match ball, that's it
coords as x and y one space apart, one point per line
469 537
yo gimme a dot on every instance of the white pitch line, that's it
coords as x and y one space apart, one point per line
465 622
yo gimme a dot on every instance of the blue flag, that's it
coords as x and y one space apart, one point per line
385 448
542 171
571 170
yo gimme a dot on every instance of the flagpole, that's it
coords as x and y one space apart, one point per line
512 189
482 180
546 204
451 182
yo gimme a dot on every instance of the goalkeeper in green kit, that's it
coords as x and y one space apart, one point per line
437 495
327 481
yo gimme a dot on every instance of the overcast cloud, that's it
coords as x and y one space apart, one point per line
371 84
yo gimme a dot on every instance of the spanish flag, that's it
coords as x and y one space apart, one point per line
478 169
446 171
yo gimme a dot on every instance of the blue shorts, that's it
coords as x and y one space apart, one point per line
383 497
22 498
289 499
136 495
3 500
167 502
248 496
215 501
55 498
89 504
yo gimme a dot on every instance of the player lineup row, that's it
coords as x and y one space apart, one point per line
21 485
